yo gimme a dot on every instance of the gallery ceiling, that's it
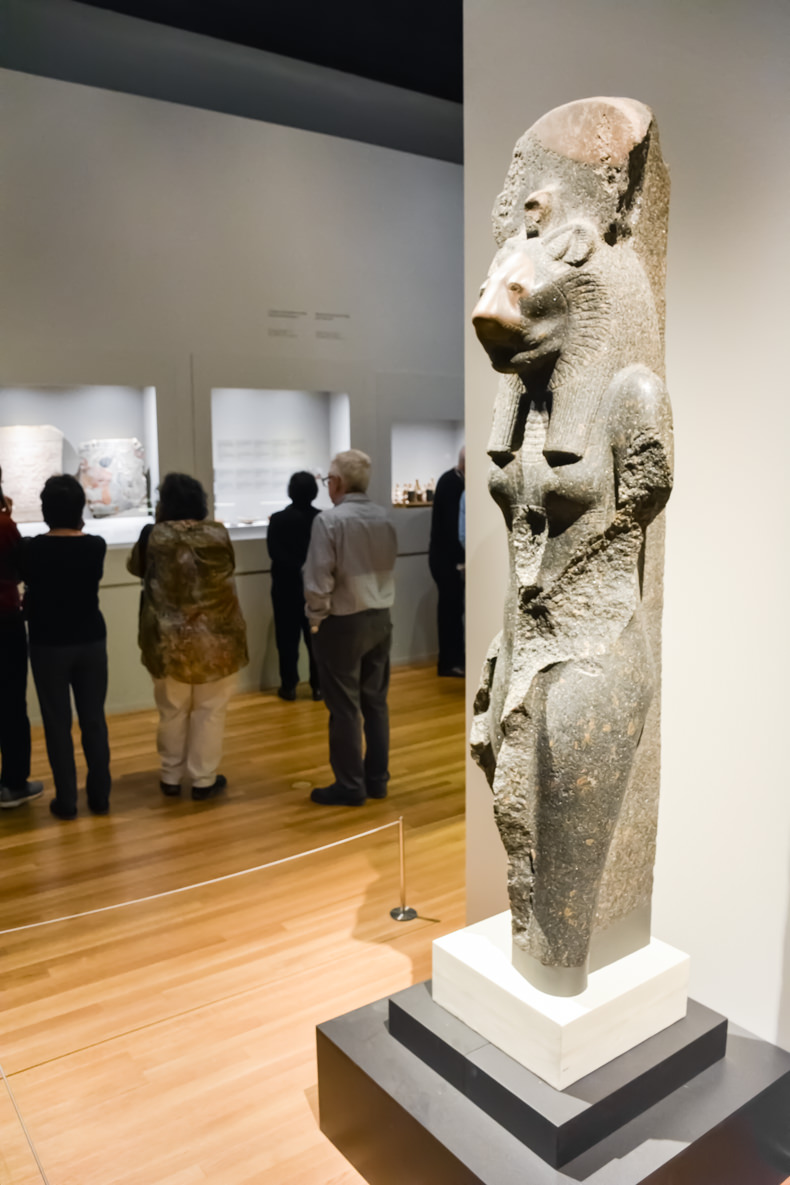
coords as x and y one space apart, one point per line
416 44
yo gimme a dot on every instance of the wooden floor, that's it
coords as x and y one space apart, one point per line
171 1042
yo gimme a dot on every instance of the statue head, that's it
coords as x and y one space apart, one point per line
532 290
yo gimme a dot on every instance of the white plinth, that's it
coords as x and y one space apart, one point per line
561 1039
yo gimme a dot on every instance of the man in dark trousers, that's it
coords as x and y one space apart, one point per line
15 784
287 538
446 560
349 588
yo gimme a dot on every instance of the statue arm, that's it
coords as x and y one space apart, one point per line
642 445
482 744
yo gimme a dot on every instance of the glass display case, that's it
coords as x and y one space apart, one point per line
261 437
104 435
421 452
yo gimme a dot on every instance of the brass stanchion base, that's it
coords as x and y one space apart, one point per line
403 913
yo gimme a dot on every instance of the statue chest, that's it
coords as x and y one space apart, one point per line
549 508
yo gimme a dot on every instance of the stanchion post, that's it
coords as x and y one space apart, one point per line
402 912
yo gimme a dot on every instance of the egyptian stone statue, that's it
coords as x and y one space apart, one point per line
567 715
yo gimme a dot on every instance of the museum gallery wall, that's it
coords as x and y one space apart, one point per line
209 264
717 84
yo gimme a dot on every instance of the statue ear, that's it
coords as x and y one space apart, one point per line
573 244
537 209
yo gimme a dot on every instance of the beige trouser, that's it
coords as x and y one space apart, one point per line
191 727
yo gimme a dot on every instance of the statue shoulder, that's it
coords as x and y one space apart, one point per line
641 402
642 441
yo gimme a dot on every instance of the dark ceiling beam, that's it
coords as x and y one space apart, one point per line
78 43
412 43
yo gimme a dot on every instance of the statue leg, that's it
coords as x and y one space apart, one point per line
582 728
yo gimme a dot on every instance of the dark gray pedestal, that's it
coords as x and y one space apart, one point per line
401 1123
558 1125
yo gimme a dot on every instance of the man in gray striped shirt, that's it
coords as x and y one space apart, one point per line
349 588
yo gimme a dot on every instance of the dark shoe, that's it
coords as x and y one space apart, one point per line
335 795
452 673
99 808
201 793
170 789
58 811
317 694
10 798
288 693
379 791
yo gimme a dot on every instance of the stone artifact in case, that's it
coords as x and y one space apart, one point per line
566 718
29 454
112 473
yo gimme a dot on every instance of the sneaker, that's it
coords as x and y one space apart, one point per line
201 793
10 798
170 789
335 795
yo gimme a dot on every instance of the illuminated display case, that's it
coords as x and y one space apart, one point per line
421 452
261 437
105 435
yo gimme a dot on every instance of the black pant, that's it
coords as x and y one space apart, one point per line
290 624
353 655
14 723
450 619
83 669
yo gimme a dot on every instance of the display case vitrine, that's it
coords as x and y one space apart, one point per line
421 452
105 435
260 437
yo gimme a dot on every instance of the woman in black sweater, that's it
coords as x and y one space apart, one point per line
68 643
288 538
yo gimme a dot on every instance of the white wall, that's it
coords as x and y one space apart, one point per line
149 244
716 77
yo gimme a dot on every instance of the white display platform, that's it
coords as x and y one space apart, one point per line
119 530
559 1038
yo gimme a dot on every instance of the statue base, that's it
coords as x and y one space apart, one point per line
559 1038
409 1094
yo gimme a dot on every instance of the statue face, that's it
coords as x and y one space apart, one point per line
521 315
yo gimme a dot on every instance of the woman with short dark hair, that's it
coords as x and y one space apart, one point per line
181 497
192 633
68 643
15 784
288 538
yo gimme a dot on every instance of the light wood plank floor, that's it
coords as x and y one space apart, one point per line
171 1042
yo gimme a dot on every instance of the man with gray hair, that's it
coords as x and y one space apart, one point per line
349 588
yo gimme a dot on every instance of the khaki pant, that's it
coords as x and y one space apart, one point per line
191 728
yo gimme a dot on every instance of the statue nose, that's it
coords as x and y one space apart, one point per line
492 330
500 302
497 313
